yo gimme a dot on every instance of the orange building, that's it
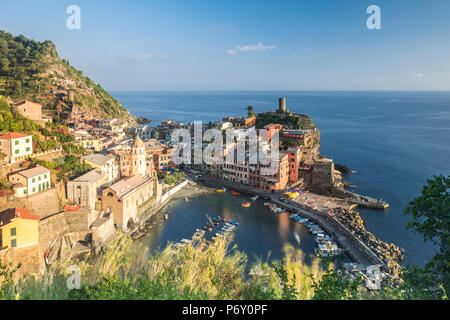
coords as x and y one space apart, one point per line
280 179
294 160
30 110
249 122
271 129
160 153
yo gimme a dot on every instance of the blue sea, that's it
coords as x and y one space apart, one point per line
393 141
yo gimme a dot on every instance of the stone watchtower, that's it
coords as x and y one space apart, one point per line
282 105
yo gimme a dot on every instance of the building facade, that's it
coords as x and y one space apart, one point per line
16 146
30 181
107 164
134 160
83 191
30 110
123 199
18 229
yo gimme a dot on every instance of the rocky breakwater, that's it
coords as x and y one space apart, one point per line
388 252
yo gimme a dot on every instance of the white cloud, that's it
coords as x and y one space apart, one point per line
141 57
419 75
255 47
164 56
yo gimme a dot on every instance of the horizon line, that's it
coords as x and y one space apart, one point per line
268 90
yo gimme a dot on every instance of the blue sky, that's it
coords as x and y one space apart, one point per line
246 45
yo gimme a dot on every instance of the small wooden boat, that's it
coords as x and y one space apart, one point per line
254 198
246 205
234 193
220 191
297 237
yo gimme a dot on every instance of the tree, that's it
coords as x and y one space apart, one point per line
2 85
250 111
169 179
431 219
4 65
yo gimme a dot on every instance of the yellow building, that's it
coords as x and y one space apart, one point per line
91 144
18 228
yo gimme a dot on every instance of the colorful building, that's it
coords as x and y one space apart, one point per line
294 160
302 137
106 164
123 199
271 129
16 146
279 180
30 110
30 181
256 175
160 153
134 160
94 144
18 228
250 122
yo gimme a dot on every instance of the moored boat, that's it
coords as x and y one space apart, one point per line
246 205
297 237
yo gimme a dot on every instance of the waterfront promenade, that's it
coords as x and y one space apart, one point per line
352 245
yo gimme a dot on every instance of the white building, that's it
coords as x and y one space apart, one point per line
145 132
107 164
30 181
16 146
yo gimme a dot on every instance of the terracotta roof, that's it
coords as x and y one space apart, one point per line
127 185
13 135
31 103
20 213
98 158
33 172
91 176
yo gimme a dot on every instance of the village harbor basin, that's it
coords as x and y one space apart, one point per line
393 141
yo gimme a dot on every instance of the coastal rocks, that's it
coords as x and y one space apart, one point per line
342 169
389 253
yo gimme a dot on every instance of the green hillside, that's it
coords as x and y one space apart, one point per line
33 70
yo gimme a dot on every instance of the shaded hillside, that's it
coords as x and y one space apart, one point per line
33 70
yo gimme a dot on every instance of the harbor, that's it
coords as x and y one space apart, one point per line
347 239
258 231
